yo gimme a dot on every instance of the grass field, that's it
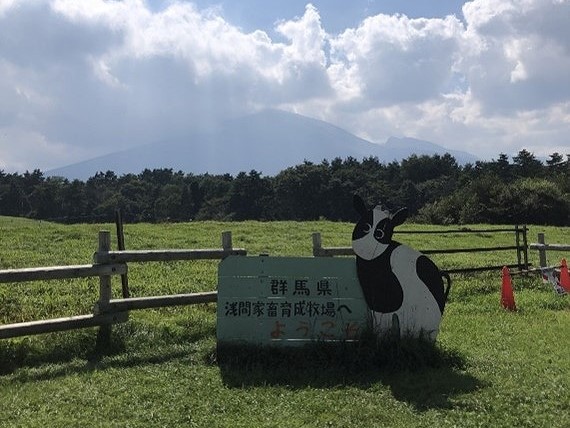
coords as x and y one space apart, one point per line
489 367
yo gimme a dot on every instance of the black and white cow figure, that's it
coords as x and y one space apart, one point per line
402 287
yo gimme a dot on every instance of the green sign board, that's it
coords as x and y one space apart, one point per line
289 300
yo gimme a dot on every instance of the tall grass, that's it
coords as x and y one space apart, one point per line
489 367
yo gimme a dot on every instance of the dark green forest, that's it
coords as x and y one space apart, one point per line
434 188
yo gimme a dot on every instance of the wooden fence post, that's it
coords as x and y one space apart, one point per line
542 250
121 247
522 249
105 293
317 244
525 243
227 241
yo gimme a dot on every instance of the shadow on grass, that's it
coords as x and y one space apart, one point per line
61 354
419 373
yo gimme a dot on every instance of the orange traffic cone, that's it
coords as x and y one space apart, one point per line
564 276
507 295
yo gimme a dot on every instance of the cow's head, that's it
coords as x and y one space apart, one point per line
373 232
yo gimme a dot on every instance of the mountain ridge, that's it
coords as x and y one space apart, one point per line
268 142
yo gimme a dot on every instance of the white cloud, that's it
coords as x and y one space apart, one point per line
471 86
525 60
307 37
394 59
95 76
33 148
5 5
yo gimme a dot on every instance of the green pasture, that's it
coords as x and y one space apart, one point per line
489 367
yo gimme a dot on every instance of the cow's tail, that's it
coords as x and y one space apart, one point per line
445 275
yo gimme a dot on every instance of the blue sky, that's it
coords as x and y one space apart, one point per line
80 79
337 15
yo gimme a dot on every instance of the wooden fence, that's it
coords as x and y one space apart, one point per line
543 247
107 263
520 246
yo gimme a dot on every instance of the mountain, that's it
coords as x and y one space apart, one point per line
401 148
268 141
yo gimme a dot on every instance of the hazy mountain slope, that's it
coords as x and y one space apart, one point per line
269 142
400 148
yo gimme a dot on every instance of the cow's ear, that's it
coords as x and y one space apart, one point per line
359 205
399 217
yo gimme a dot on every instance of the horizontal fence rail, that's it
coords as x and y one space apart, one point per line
520 247
348 251
107 264
60 272
552 247
60 324
460 230
163 255
134 303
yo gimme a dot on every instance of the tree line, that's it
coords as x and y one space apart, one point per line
436 189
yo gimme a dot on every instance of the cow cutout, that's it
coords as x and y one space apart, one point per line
403 289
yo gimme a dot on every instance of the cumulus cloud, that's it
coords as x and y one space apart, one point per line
524 59
471 84
395 59
85 78
32 149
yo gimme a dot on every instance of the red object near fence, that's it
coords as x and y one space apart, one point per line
564 276
507 295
